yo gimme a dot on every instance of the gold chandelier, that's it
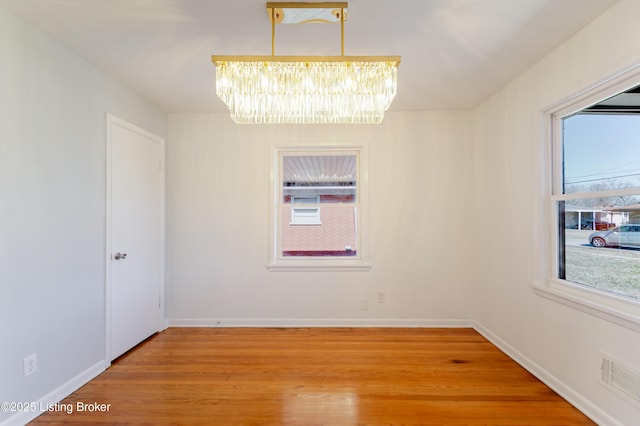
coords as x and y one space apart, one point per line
306 89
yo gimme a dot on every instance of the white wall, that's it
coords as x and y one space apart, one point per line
562 343
218 229
52 207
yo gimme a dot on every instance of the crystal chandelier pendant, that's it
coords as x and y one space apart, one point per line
258 92
306 89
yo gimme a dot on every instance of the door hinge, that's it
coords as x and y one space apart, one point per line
159 301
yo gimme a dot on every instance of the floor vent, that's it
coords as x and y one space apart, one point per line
621 379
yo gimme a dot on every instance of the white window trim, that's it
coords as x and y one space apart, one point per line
604 305
360 262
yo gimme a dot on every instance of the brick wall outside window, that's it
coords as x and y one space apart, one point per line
338 230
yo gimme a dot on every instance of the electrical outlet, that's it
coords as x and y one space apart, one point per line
381 297
364 304
30 364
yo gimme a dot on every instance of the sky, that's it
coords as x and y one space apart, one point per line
599 148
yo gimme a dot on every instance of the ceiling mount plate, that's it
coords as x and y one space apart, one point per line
302 13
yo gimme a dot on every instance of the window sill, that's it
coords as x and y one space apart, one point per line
308 264
614 309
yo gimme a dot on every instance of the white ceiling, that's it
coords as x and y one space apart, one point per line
455 53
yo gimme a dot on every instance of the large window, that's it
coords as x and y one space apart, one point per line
599 195
317 208
595 202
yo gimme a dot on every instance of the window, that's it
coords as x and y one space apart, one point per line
318 203
305 215
595 200
598 195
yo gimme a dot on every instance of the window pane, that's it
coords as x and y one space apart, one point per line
335 235
305 216
601 152
600 247
318 211
305 200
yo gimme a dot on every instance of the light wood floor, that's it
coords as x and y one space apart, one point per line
318 376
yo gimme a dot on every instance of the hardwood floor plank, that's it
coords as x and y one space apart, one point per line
317 376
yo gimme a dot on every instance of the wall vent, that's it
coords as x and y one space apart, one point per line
621 379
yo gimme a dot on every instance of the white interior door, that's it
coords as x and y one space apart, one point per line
135 240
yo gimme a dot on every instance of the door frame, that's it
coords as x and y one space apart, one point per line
112 120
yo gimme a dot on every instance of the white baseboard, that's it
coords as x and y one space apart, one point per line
319 322
585 406
56 395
